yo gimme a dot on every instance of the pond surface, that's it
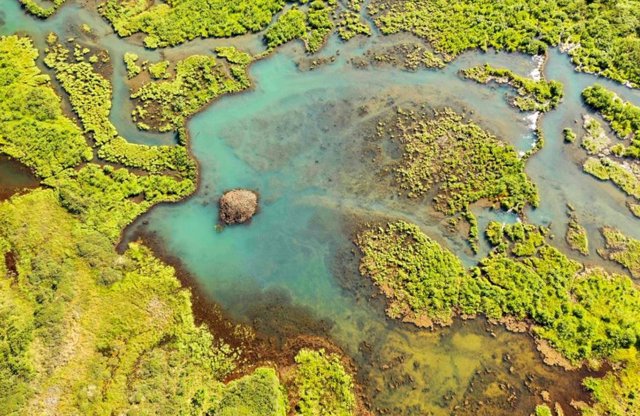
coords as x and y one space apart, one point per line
14 177
305 140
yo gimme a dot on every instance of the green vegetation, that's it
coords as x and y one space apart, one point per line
616 394
199 79
601 36
463 162
108 199
409 55
319 23
81 80
621 249
323 386
543 410
532 95
584 315
313 27
576 236
158 70
176 21
351 24
569 135
423 289
291 25
258 393
595 139
153 159
130 61
98 332
33 128
89 92
624 117
36 8
622 175
103 333
634 208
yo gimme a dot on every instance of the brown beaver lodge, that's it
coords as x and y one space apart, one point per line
238 206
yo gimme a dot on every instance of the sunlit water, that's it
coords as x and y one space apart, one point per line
305 140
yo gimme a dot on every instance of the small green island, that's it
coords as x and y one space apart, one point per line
319 207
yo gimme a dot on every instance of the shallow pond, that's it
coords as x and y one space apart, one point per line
14 177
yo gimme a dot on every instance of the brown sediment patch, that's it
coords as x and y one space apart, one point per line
551 356
10 262
311 63
275 331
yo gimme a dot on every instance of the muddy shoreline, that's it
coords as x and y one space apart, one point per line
273 334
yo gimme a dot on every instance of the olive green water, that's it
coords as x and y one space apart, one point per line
14 177
305 140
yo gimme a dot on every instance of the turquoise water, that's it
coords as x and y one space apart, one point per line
305 140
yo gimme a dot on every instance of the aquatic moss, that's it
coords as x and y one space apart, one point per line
323 386
158 70
634 208
89 92
319 23
90 96
576 235
569 135
117 330
623 176
312 26
543 410
616 394
130 61
532 95
177 21
464 163
595 139
259 393
351 24
153 159
291 25
109 199
33 128
419 278
592 32
624 117
621 249
409 55
584 314
36 8
469 164
165 105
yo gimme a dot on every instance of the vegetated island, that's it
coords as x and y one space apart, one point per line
532 94
620 162
462 161
585 314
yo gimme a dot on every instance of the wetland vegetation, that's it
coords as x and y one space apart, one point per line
533 95
90 328
464 162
